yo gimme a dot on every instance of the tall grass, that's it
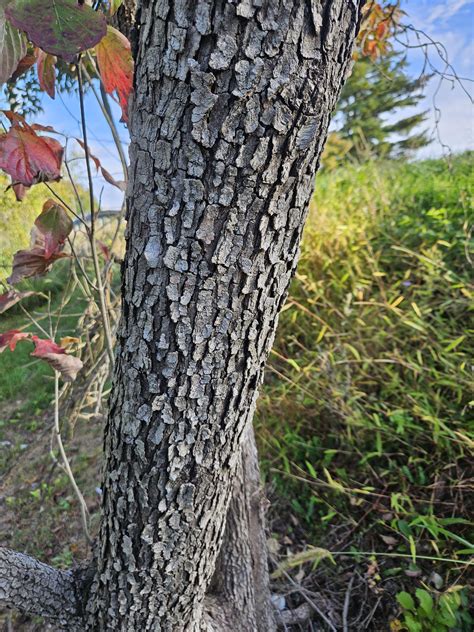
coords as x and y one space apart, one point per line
366 417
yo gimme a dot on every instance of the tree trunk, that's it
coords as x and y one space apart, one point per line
240 582
232 105
124 18
231 110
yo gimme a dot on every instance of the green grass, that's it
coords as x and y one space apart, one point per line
366 420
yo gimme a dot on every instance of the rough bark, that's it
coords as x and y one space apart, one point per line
124 19
232 105
240 581
36 588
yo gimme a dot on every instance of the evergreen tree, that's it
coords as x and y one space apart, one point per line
371 97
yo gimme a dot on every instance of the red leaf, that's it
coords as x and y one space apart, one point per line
19 191
48 236
382 30
10 339
46 72
115 62
24 64
54 224
14 117
47 350
27 157
43 128
45 346
105 250
108 177
31 263
59 27
57 357
10 298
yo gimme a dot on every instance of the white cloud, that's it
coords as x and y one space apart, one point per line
456 125
446 10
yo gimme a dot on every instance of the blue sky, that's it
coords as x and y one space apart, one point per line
451 22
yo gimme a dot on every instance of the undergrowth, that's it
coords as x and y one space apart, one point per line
365 421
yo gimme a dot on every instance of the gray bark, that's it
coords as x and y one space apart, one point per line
231 110
124 19
240 581
232 104
36 588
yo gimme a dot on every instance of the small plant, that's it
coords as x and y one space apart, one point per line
445 613
64 559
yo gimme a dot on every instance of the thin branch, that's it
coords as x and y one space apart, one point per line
74 186
81 267
33 320
105 107
448 73
64 203
347 600
95 258
65 462
86 144
310 601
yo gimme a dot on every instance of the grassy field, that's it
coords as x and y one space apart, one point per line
365 421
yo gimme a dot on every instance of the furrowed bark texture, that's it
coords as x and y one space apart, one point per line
231 109
240 582
124 19
36 588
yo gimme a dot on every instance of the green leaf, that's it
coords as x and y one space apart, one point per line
12 47
425 599
454 536
404 528
411 540
412 624
447 607
311 469
452 345
406 600
59 27
447 618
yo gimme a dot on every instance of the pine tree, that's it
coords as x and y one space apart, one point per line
372 96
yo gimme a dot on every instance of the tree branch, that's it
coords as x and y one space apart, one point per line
35 588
